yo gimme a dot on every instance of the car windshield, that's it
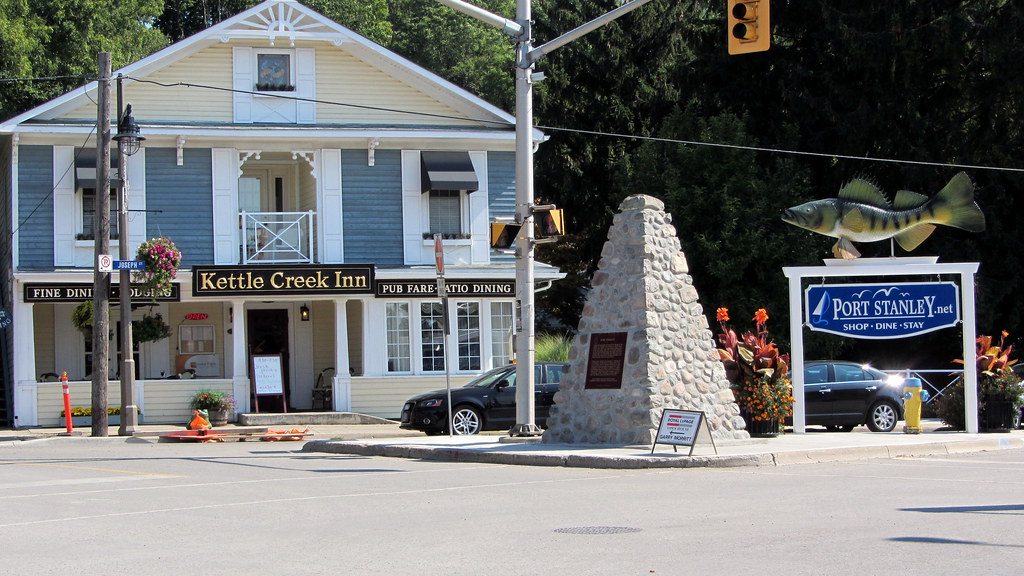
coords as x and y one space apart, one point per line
491 378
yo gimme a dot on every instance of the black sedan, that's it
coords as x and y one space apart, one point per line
840 395
486 403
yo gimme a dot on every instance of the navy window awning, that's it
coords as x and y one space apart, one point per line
85 168
448 171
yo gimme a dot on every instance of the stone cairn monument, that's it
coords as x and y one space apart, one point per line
642 320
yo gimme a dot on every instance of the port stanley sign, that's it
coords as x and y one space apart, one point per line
877 311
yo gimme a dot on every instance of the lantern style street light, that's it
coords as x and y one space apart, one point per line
129 139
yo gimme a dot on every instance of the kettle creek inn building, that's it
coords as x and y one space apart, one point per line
302 173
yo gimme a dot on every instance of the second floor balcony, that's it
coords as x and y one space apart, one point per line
277 237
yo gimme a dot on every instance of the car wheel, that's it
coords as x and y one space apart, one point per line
840 428
466 420
883 417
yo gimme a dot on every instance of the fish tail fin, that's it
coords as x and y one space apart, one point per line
913 237
954 205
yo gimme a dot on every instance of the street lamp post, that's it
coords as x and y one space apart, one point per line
128 141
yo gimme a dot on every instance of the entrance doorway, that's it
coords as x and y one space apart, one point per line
267 333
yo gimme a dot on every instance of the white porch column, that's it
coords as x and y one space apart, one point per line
341 395
240 357
24 359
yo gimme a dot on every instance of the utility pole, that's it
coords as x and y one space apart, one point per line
101 231
526 58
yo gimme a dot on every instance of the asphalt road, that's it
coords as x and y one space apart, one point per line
258 508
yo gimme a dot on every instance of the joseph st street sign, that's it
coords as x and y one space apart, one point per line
878 311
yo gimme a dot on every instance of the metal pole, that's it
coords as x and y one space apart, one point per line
101 231
526 57
525 410
129 412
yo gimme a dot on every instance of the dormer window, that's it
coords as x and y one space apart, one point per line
274 71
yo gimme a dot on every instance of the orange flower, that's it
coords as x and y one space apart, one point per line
722 314
761 316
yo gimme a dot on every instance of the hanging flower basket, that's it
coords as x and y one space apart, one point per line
162 260
150 328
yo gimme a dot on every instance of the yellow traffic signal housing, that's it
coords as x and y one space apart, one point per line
749 26
549 223
503 235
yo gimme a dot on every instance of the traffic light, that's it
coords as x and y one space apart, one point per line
749 26
503 235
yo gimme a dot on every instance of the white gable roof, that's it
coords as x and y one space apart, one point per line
282 23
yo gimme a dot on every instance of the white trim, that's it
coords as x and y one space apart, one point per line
881 267
330 204
225 206
65 221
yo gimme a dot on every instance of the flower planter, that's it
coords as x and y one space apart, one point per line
996 416
83 421
763 428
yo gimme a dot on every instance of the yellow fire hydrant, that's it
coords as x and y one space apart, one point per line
913 396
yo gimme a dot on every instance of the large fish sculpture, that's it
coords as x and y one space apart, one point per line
862 213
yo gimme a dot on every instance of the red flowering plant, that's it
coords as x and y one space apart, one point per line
997 382
756 369
162 259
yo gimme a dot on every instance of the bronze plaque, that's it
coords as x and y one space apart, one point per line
605 363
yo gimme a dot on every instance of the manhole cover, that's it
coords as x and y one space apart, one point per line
598 530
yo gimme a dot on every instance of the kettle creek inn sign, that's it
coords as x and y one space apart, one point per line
330 280
881 311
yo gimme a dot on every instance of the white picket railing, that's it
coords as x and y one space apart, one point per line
277 237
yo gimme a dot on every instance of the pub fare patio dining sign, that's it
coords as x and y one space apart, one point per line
879 311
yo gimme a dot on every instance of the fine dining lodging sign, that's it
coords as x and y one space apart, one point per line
878 311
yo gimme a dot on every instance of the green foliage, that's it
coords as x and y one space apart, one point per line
81 316
552 347
151 328
212 400
62 38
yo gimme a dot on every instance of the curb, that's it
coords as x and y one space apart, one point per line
584 460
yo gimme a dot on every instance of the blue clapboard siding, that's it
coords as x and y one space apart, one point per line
501 186
35 207
180 200
372 205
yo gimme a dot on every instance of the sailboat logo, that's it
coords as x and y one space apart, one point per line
819 312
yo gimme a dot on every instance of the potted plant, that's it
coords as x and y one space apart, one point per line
999 389
218 404
757 373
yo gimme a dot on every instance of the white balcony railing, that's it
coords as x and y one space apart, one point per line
277 237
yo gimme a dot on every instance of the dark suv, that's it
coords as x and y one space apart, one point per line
486 403
840 395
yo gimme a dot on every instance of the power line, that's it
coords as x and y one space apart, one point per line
780 150
569 130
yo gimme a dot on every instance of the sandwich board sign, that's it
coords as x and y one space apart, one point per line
681 428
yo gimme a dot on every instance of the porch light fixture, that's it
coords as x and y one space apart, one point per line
304 313
129 137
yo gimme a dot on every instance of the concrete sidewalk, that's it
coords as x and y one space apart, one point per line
388 440
786 449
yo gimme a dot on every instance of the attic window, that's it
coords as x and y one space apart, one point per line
274 72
